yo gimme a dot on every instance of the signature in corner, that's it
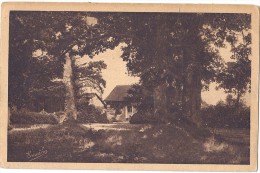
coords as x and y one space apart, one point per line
33 156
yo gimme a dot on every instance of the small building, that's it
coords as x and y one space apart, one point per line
118 105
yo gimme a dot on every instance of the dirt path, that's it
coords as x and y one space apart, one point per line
17 128
94 126
114 126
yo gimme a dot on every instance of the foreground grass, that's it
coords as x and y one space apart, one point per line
129 144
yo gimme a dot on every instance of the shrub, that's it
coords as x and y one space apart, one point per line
143 117
91 114
26 117
226 116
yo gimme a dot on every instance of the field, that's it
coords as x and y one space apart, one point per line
127 143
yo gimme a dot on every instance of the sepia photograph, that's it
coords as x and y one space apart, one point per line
134 87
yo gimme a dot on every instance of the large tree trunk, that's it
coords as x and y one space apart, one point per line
191 95
160 101
70 107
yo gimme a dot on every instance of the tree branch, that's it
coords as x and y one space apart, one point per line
69 48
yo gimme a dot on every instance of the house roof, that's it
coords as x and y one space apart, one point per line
118 93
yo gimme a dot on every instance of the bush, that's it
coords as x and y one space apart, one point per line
143 117
26 117
90 114
226 116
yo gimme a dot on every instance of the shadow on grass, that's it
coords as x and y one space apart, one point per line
142 144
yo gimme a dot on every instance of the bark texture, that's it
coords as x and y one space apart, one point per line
70 106
191 94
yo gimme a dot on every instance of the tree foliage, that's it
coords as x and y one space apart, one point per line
37 47
182 47
89 75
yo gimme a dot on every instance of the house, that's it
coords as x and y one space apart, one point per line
117 104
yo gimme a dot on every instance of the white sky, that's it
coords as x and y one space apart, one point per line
213 96
116 74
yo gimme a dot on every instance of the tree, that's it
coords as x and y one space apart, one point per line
158 46
88 82
229 100
236 76
54 34
25 71
183 46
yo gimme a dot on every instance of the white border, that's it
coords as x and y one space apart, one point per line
252 2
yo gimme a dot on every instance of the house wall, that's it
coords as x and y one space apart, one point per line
125 113
128 113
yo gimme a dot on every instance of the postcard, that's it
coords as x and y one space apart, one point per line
129 86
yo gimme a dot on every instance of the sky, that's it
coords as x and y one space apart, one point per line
116 74
212 96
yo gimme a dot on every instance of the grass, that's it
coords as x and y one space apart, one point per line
138 144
